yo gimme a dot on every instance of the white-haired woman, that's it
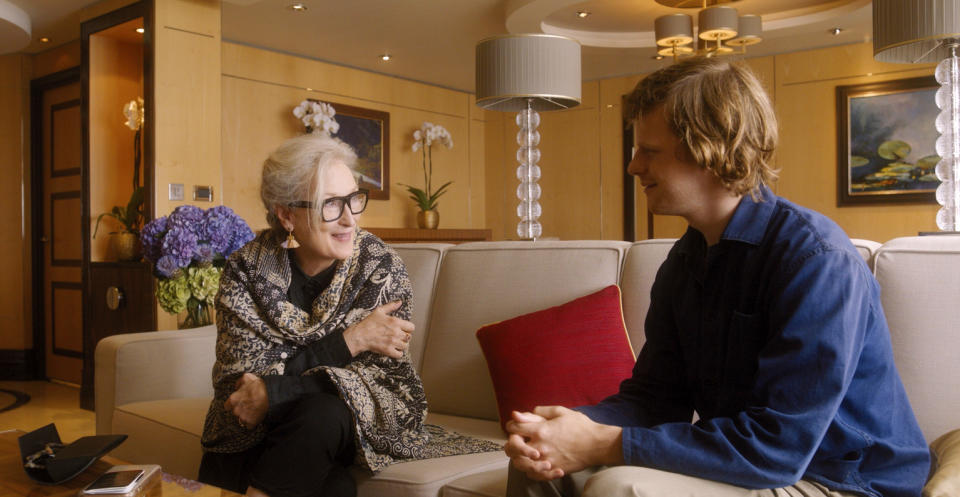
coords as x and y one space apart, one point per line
312 374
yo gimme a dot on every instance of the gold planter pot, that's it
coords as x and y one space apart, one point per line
428 219
127 246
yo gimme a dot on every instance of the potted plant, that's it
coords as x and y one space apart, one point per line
127 242
426 199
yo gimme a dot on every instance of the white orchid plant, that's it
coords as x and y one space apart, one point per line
131 216
424 139
317 117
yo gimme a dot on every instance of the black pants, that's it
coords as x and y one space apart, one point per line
304 455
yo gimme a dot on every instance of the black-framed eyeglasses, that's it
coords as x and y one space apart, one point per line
332 208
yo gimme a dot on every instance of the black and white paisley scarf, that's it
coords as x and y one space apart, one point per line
258 328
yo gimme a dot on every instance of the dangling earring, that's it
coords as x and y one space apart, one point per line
290 242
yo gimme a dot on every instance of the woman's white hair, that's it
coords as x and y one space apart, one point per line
294 172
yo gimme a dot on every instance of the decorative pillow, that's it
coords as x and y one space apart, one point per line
946 480
570 355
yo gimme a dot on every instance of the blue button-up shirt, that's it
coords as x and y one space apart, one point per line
776 338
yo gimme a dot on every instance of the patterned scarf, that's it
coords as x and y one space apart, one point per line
258 328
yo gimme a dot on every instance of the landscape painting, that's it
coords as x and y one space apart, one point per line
887 142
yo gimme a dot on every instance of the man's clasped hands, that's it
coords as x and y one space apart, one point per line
553 441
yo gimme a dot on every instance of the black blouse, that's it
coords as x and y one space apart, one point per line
331 350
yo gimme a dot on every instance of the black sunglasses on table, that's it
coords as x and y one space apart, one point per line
332 208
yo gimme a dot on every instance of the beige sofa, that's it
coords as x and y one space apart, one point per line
155 387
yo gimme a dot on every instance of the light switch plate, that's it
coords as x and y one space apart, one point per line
201 192
175 191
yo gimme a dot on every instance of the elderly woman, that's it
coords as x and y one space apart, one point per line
312 373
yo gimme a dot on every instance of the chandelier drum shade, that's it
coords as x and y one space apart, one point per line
929 31
526 74
718 29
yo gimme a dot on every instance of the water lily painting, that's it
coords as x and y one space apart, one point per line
886 142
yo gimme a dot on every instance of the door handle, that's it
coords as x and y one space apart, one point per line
115 298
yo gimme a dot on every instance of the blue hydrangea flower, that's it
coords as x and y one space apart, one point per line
187 217
204 253
168 266
151 238
180 243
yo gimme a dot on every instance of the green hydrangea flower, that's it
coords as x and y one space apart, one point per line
173 293
204 282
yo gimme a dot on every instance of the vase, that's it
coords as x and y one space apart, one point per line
196 314
127 246
428 219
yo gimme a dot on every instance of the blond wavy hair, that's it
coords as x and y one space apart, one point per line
720 112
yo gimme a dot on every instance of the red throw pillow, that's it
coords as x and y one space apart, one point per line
570 355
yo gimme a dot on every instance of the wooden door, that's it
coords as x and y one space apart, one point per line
57 163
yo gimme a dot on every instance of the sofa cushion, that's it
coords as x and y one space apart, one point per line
423 262
573 354
640 267
920 281
492 483
485 282
426 477
165 432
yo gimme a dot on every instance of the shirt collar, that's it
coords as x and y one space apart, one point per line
749 221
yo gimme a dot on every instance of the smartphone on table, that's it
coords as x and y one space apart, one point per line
120 480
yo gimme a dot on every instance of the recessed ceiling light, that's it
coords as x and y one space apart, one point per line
297 7
44 40
140 30
385 57
836 31
582 13
657 57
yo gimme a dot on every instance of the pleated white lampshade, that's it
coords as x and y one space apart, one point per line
910 31
514 68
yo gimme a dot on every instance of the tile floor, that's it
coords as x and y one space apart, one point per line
49 403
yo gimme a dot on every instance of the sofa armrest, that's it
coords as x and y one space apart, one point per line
945 481
153 365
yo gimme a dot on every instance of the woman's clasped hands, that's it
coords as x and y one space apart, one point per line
380 333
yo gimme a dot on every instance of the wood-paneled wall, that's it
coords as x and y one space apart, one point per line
581 150
187 105
15 232
261 88
806 106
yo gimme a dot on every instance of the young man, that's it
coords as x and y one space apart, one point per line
764 321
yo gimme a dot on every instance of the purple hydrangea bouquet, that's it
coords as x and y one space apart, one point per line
188 250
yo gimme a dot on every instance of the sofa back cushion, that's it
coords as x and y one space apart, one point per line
867 248
920 282
640 268
423 264
485 282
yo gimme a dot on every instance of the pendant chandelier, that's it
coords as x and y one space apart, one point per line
720 29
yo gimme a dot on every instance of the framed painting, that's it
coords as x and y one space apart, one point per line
368 132
886 142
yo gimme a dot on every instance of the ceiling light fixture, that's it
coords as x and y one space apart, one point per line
139 30
582 14
836 31
385 57
298 7
44 39
719 29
